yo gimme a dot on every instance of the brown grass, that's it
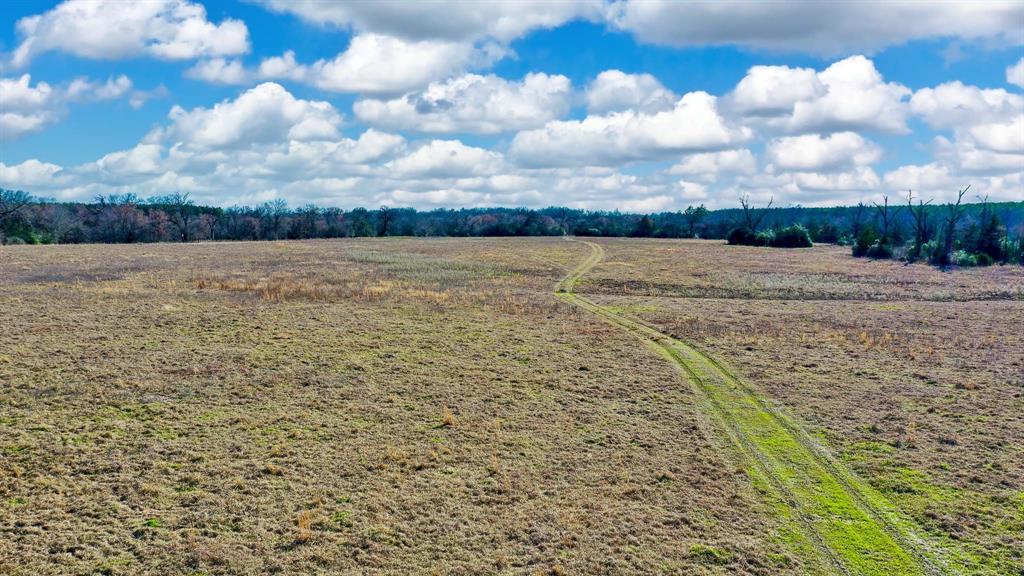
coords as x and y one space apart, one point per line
225 389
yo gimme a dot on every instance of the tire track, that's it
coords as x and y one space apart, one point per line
852 527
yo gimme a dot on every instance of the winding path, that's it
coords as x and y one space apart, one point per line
839 524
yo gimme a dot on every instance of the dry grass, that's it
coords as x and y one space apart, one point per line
272 407
914 376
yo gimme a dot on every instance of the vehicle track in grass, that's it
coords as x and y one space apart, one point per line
847 526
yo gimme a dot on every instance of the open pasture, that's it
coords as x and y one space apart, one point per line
432 406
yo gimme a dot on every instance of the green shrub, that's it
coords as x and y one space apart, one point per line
879 251
1012 250
795 236
865 240
962 258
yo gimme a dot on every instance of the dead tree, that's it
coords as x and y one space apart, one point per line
753 216
857 223
887 215
956 211
920 217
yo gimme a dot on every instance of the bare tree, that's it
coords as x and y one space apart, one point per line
922 231
12 201
753 216
888 215
181 211
857 223
955 212
275 211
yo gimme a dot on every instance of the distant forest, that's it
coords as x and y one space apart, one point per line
899 229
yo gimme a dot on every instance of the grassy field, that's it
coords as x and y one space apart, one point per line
432 406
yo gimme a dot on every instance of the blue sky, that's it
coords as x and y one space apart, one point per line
589 103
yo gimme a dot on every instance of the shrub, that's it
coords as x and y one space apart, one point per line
742 236
865 240
962 258
879 251
1012 250
795 236
764 238
15 240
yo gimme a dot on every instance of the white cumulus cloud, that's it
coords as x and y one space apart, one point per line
265 113
614 91
113 29
848 95
814 152
473 103
692 125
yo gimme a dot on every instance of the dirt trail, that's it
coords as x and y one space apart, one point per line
839 523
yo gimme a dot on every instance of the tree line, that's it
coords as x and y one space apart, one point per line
911 228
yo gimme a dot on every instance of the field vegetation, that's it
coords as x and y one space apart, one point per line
914 377
400 405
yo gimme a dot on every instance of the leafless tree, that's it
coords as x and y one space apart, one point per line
857 223
276 211
181 211
955 212
11 201
753 216
921 227
887 214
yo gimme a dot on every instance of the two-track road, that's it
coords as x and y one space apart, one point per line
839 520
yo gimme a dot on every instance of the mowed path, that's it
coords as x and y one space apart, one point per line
839 520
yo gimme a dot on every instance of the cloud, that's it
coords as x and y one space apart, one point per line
813 152
283 67
775 90
449 20
987 127
473 103
848 95
219 71
447 158
615 91
29 174
376 64
265 113
709 165
25 108
372 64
954 104
112 29
1015 74
693 125
821 28
939 182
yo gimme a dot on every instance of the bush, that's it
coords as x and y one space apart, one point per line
865 240
879 251
962 258
742 236
14 241
795 236
1012 250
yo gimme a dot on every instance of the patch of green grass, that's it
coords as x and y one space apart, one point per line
710 555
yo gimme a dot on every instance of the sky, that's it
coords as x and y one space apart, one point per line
599 104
